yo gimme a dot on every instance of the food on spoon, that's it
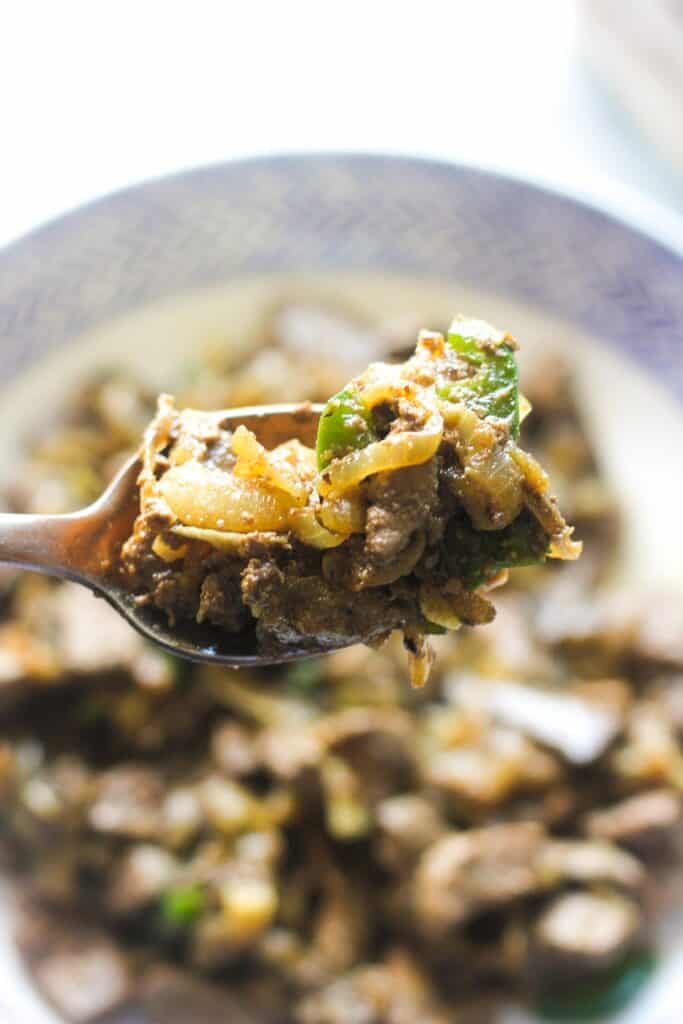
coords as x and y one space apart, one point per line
415 502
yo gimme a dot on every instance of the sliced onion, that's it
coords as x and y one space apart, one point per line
345 514
230 542
167 553
281 468
544 507
436 607
213 499
525 407
491 486
306 527
395 451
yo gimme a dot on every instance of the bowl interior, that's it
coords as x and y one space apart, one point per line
637 426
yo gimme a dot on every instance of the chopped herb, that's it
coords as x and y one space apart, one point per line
182 906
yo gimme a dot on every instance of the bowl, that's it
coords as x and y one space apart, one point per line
142 277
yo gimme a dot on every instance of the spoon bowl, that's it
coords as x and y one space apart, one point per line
85 546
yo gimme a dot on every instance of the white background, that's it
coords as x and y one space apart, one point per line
96 95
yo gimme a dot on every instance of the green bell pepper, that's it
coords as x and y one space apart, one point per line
345 425
434 629
602 997
180 907
493 390
474 556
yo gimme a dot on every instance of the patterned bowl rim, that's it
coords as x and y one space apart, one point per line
609 259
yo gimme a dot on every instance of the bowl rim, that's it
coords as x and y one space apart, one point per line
605 195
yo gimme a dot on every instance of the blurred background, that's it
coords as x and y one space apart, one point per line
583 94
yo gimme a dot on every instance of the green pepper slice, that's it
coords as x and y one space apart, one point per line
493 390
180 907
434 629
476 555
604 996
345 425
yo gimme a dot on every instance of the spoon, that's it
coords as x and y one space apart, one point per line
84 547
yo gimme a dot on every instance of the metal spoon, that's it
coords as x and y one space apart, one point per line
84 546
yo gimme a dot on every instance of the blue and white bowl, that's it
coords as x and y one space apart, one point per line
146 276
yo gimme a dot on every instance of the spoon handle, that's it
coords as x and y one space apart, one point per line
43 543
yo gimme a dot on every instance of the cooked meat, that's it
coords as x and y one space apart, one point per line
399 504
309 606
650 753
488 767
578 729
217 603
167 996
582 931
128 802
643 822
394 992
77 967
407 824
234 749
594 862
143 874
461 873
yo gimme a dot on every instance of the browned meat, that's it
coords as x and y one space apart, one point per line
407 824
234 749
65 631
461 874
143 873
77 967
168 996
650 754
394 992
465 873
217 604
128 802
291 609
487 767
582 931
399 504
644 822
576 727
589 862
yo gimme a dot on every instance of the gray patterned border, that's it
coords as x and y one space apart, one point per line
342 212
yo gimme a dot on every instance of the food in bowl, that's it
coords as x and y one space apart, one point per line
320 843
414 504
